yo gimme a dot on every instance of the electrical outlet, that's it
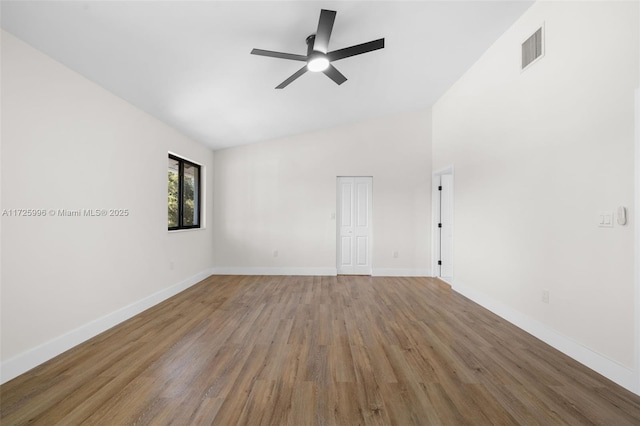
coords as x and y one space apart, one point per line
275 253
545 296
171 265
395 254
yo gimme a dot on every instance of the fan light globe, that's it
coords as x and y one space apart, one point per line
317 64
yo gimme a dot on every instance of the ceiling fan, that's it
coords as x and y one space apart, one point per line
318 58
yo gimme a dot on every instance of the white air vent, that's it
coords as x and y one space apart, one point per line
532 48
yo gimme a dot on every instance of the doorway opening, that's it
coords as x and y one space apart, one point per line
442 202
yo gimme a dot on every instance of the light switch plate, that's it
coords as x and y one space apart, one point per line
605 219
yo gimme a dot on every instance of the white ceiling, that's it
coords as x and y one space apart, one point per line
188 62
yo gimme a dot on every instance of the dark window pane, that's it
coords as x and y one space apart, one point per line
173 176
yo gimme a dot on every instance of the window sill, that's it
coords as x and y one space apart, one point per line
171 231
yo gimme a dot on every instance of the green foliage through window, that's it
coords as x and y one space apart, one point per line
183 179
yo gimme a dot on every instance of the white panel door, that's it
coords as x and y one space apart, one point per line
354 225
446 229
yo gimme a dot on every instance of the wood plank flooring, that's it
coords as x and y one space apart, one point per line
315 351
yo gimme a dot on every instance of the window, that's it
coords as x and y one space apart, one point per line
183 194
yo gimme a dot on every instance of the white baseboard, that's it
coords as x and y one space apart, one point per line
258 270
400 272
609 368
36 356
447 280
377 272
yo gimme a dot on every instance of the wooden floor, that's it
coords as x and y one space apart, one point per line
315 350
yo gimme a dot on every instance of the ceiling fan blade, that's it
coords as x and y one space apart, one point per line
293 77
280 55
335 75
356 50
325 25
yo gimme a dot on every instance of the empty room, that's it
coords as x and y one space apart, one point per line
320 213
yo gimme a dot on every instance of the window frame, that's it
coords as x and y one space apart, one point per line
197 194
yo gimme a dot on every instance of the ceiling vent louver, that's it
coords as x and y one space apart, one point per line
532 48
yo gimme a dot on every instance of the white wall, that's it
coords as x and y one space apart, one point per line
537 155
69 144
280 195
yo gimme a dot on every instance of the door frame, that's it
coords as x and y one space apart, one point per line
337 210
636 225
435 217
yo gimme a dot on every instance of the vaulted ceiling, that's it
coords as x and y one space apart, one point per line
188 63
